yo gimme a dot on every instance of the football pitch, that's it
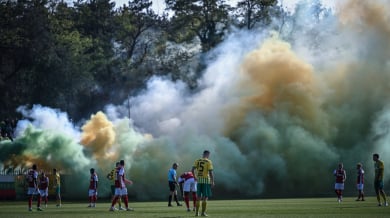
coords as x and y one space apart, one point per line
300 207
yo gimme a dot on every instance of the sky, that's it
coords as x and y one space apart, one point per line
277 113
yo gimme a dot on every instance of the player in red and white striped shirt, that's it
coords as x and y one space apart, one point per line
340 175
43 186
360 182
93 186
32 181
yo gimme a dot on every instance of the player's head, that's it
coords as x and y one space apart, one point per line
341 165
54 170
43 174
359 165
92 170
122 162
34 166
375 157
175 165
117 164
206 153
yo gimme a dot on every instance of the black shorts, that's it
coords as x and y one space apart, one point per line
172 186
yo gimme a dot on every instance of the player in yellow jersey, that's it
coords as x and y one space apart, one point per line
378 182
205 180
57 186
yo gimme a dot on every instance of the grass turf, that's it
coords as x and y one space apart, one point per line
302 207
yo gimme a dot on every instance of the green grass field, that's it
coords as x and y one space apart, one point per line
304 207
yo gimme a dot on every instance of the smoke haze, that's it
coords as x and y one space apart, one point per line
277 113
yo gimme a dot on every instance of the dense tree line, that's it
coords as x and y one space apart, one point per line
80 56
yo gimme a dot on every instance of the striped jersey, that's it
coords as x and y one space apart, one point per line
43 182
112 174
340 175
32 178
379 169
120 177
203 166
57 179
93 181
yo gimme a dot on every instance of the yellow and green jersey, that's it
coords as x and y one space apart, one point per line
203 166
57 180
379 169
112 175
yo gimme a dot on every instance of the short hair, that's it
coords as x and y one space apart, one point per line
205 152
34 166
122 162
117 163
174 164
92 170
359 164
376 155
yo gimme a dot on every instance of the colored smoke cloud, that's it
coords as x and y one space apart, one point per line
277 113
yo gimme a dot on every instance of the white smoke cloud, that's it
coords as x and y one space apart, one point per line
46 118
276 112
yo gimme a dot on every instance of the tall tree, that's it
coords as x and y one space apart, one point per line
136 34
134 24
94 19
205 19
249 13
72 58
25 45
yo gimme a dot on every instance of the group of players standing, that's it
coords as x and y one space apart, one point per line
118 189
39 185
198 182
340 175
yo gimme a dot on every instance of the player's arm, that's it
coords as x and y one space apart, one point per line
380 172
345 176
193 171
55 181
35 180
127 181
211 174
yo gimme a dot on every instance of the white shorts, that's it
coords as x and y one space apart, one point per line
44 192
360 186
92 192
189 185
121 191
339 186
32 191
